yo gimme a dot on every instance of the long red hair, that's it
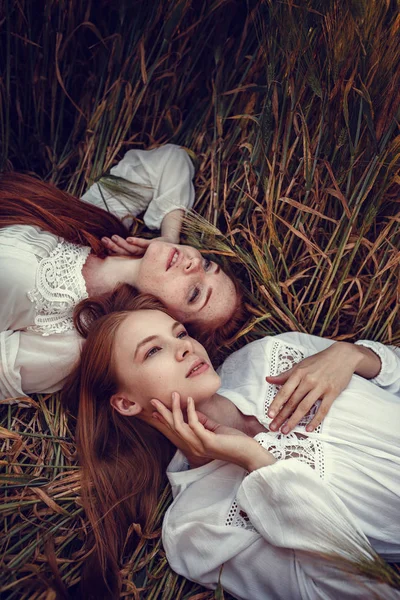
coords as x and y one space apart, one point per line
25 200
123 459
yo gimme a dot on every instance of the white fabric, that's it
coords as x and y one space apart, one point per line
41 275
335 490
161 179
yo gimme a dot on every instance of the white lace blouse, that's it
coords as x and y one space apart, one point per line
334 490
41 275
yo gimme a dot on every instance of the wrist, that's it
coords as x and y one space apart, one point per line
369 363
259 458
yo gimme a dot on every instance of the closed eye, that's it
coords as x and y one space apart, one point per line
194 295
207 264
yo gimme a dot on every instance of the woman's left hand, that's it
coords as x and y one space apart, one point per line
322 376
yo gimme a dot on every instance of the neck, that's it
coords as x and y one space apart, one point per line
104 274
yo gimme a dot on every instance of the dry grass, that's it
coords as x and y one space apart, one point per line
290 111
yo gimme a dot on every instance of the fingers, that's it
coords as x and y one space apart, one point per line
279 379
163 411
299 395
193 420
302 409
113 248
137 241
283 394
175 421
132 246
177 412
321 413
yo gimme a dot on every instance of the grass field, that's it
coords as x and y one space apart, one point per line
290 112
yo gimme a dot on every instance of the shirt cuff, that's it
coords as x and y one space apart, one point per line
385 356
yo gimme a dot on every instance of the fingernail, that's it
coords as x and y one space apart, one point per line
155 416
271 413
174 395
153 402
309 428
114 237
285 429
272 426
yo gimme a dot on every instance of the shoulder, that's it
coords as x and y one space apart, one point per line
24 241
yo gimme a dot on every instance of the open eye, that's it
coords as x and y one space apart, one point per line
194 295
182 334
152 351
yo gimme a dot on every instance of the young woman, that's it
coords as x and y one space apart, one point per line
251 507
51 257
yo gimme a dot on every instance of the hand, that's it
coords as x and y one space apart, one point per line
322 376
201 439
132 246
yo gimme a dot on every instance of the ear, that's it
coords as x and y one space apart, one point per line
125 406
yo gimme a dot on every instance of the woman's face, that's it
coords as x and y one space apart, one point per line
192 288
154 356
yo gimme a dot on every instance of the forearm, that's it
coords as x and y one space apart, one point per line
171 226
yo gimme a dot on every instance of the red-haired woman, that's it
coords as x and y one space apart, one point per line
251 507
52 256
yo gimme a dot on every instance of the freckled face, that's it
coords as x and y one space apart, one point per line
194 289
154 356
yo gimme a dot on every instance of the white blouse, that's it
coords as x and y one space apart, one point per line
41 277
336 490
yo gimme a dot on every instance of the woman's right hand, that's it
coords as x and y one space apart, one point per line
132 246
201 439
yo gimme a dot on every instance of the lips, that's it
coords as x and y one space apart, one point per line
173 258
199 366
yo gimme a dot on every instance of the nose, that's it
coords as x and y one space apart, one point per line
193 265
184 347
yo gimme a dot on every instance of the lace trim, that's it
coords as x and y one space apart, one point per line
59 287
238 518
295 445
283 358
292 445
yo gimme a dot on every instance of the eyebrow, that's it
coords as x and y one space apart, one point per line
153 337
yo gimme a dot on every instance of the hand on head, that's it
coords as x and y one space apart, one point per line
131 246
